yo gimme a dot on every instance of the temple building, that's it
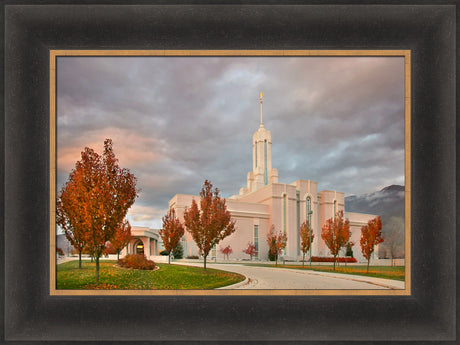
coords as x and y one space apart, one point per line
264 201
144 241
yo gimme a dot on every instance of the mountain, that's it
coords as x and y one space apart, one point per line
388 202
63 243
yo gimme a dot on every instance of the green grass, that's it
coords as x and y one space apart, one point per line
69 276
386 272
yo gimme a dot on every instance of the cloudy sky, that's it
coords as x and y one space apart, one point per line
176 121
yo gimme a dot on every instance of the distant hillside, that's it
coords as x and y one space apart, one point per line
63 243
388 203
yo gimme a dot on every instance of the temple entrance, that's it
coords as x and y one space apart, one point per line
139 247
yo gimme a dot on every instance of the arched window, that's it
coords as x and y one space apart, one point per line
139 247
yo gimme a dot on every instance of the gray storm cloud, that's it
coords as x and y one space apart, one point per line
176 121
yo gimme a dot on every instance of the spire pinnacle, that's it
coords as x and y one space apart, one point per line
261 110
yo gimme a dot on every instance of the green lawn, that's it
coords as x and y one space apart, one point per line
387 272
69 276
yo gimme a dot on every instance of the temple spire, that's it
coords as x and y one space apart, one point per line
262 173
261 110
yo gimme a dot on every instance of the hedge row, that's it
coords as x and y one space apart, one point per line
331 259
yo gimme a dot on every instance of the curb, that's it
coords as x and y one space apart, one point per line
236 285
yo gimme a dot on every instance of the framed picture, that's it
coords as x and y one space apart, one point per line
375 89
35 310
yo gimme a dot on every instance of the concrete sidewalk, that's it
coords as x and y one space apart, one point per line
286 278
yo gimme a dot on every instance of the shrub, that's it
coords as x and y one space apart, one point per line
349 249
136 261
331 259
164 253
59 251
192 257
178 252
271 256
251 250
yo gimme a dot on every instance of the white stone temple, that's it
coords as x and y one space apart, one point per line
265 201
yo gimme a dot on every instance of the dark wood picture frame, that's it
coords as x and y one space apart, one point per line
31 314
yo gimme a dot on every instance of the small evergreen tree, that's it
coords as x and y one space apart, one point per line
349 249
178 251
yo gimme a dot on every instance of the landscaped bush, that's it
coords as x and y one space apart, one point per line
178 252
136 261
192 257
331 259
60 251
164 253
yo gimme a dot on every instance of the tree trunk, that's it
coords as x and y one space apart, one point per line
334 262
205 262
79 259
276 260
97 270
118 255
368 260
169 258
303 260
310 256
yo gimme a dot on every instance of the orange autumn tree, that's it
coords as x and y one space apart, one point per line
210 223
371 235
121 237
336 233
276 242
306 239
70 215
172 232
96 199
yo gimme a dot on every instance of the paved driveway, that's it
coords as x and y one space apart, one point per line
286 278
